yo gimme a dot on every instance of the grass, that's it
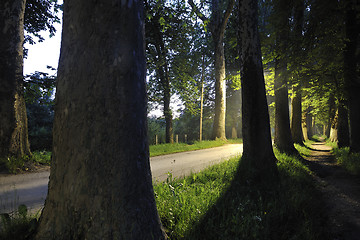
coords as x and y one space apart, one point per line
22 164
212 205
347 160
19 225
168 148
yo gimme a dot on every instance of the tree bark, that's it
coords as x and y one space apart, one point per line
100 182
343 126
296 113
296 117
258 161
351 71
13 120
217 28
283 139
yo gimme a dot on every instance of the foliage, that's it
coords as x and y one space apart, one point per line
213 205
40 15
20 225
349 161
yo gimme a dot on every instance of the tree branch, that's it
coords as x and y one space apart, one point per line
227 13
197 11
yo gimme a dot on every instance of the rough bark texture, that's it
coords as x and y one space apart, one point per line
352 72
331 113
334 127
296 117
258 160
13 119
100 182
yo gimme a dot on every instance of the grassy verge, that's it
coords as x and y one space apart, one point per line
162 149
23 164
202 206
347 160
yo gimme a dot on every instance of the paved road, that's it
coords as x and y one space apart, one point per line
31 188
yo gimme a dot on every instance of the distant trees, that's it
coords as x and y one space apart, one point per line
100 182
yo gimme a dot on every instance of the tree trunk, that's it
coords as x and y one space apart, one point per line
283 139
332 111
334 127
258 161
100 182
202 97
220 88
351 71
296 118
343 126
296 113
13 120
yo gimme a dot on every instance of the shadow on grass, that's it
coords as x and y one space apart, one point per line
291 209
316 150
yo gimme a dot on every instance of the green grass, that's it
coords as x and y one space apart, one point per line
349 161
213 205
168 148
20 164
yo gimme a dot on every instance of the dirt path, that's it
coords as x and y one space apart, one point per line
341 193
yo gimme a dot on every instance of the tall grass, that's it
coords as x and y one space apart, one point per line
349 161
213 205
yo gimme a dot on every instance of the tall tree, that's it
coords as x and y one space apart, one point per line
13 119
100 182
283 138
259 165
297 37
217 25
351 70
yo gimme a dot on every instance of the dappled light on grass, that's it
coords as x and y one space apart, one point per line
214 204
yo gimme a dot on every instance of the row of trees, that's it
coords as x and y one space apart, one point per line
100 182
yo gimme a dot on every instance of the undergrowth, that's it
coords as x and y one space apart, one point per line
14 164
20 225
349 161
212 205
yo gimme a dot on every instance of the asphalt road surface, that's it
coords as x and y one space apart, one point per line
31 188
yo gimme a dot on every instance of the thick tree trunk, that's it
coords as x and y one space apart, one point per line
258 161
100 182
13 120
296 117
283 139
343 126
351 71
169 133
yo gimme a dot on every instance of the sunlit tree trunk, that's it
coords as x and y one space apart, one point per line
331 114
217 25
100 181
351 71
13 120
258 161
202 97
